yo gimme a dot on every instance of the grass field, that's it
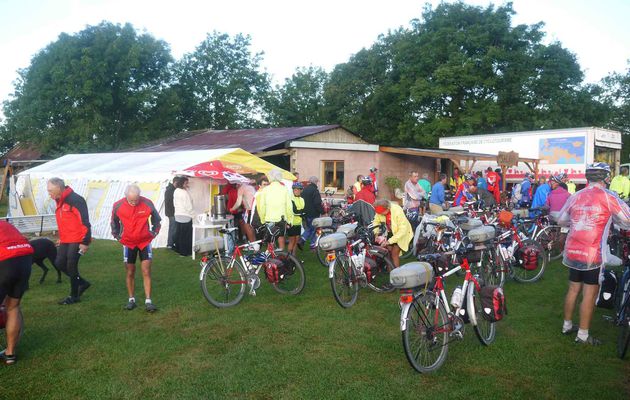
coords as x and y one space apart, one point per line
277 347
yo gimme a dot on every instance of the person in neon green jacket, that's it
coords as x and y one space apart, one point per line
399 231
275 204
294 232
620 184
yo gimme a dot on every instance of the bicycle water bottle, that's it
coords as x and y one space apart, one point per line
456 298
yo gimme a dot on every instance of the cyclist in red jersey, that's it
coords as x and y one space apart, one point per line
15 269
589 214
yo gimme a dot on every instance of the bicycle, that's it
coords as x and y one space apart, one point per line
355 265
224 278
427 322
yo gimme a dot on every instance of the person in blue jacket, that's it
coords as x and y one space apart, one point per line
526 190
481 181
540 198
437 200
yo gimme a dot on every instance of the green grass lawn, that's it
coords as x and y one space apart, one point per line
277 347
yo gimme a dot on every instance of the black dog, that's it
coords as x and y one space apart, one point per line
45 249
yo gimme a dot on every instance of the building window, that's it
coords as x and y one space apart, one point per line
333 174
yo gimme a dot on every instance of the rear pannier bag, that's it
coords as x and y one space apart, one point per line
348 229
272 270
471 223
607 290
529 257
493 307
411 275
334 241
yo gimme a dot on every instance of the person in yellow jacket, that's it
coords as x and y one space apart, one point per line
275 205
399 231
571 187
294 232
620 184
457 179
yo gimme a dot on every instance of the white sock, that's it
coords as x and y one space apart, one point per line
582 334
132 299
147 301
567 325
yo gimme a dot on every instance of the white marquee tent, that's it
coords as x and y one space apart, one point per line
101 179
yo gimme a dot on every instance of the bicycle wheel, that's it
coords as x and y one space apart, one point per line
409 252
524 275
484 329
321 254
425 337
623 338
292 278
223 285
344 283
380 280
491 273
552 241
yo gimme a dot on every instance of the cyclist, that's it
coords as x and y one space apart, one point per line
366 193
437 201
414 193
482 183
540 197
298 212
399 232
621 184
589 214
275 205
558 196
15 269
465 190
526 190
492 178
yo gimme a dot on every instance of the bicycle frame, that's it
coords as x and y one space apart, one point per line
440 296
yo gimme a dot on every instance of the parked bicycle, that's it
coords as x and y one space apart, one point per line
224 278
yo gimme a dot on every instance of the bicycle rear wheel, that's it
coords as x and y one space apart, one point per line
292 278
344 283
484 329
524 275
623 338
491 272
223 285
321 254
425 337
552 241
380 280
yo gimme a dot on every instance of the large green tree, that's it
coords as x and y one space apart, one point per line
458 70
616 95
222 85
100 89
300 100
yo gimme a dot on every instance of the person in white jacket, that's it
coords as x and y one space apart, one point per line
184 213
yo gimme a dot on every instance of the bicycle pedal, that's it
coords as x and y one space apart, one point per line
252 292
457 334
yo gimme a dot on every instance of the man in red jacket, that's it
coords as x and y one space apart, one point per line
367 191
75 235
15 269
130 226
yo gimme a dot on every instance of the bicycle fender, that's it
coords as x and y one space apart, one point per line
470 305
403 320
331 269
203 271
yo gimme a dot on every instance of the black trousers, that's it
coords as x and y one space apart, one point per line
183 239
68 262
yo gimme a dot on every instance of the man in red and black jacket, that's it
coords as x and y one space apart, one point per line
130 226
75 235
15 269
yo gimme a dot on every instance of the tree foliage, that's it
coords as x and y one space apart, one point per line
99 89
459 70
615 95
221 84
300 100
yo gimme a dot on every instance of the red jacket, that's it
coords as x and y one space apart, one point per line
73 219
130 224
366 194
12 243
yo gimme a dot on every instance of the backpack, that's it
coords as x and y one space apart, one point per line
607 290
493 307
516 193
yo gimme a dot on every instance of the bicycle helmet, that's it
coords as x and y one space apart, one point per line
556 178
598 172
298 185
366 180
469 177
529 175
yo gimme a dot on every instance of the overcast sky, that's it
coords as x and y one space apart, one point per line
295 33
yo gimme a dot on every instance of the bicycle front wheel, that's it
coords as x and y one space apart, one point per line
223 284
484 329
425 337
344 283
530 274
292 278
